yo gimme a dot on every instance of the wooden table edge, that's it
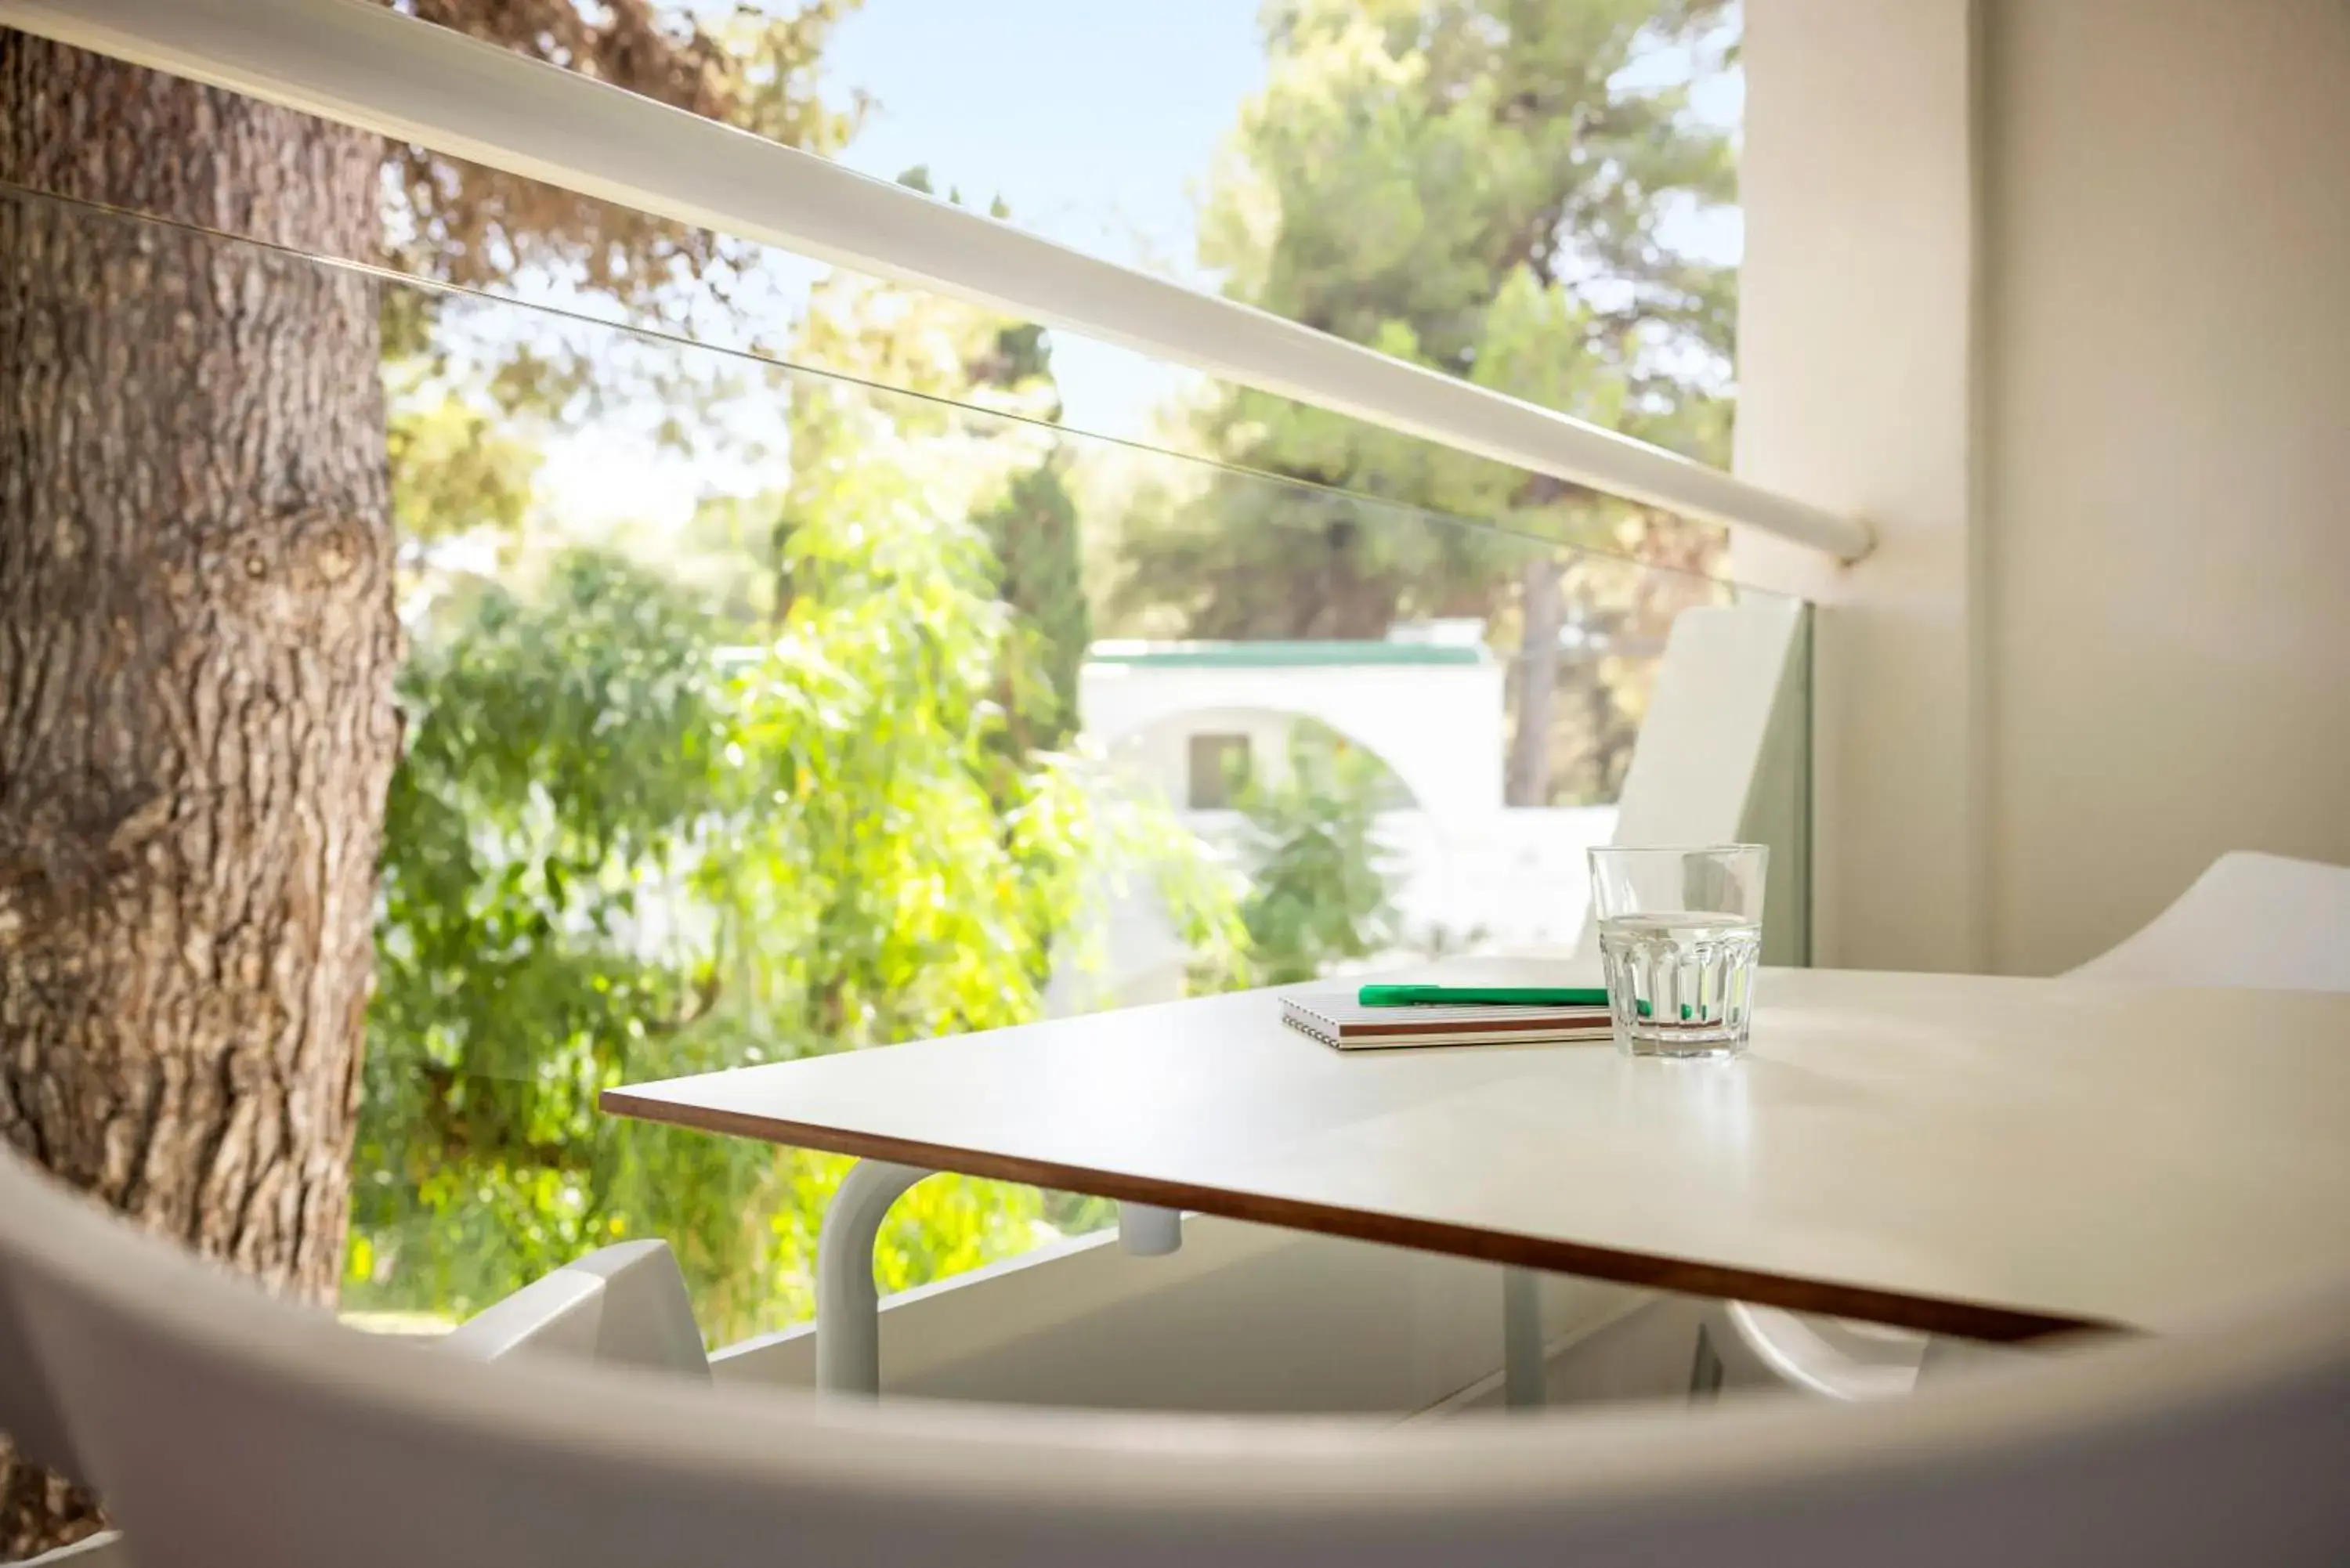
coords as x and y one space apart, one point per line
1929 1314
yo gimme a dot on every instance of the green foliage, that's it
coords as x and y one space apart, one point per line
617 850
806 791
1320 891
1460 183
1477 186
1407 156
458 471
557 748
1032 530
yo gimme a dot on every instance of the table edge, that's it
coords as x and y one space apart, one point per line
1653 1270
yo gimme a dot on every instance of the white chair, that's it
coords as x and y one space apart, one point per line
231 1429
625 1304
1834 1357
2261 922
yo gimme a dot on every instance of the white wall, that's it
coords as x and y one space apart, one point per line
1855 348
2057 294
2168 188
1441 727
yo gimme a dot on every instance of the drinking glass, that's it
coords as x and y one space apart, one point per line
1679 929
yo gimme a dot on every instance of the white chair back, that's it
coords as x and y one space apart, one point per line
230 1429
2262 922
625 1304
1719 756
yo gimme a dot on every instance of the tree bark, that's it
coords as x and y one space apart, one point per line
197 646
1528 779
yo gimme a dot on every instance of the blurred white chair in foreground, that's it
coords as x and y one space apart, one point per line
625 1304
229 1429
2260 922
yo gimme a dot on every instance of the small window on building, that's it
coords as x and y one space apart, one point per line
1220 767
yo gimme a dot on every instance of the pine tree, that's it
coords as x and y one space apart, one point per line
1465 184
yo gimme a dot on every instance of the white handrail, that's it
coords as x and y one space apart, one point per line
363 65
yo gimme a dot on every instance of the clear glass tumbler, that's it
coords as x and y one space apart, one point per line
1679 930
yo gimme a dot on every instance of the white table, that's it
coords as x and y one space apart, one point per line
1990 1158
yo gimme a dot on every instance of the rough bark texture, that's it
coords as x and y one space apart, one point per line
197 644
1527 782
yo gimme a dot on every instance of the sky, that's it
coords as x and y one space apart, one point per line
1097 121
1094 120
1093 117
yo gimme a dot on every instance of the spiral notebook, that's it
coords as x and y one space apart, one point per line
1335 1018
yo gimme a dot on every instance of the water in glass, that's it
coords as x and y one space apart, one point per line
1682 981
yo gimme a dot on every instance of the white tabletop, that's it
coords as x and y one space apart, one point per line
1994 1157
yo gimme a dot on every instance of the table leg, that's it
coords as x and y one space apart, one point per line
1148 1231
1523 1374
847 1307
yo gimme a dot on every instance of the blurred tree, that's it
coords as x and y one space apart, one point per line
1319 888
615 850
1475 185
196 560
1032 531
960 354
1032 528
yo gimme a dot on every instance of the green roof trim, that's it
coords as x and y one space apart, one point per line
1336 653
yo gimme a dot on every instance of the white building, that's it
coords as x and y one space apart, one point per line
1187 718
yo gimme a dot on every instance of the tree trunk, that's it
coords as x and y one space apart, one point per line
1611 738
1528 780
197 644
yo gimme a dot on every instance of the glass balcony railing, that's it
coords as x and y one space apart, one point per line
752 710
